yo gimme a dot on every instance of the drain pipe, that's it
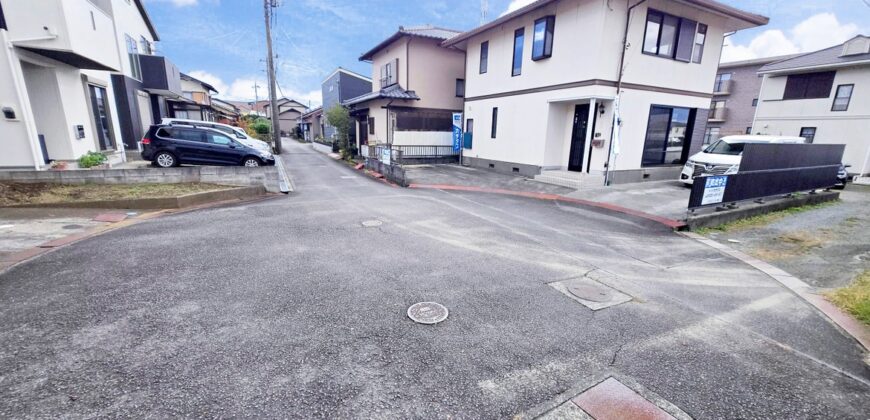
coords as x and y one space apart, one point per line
607 172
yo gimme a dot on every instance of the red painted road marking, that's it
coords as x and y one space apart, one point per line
611 400
359 166
673 224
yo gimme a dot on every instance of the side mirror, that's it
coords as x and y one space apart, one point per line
847 166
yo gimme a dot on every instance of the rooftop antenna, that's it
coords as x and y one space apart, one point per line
484 8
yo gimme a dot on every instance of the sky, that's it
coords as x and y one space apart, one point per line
222 42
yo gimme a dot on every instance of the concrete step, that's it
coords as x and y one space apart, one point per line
575 180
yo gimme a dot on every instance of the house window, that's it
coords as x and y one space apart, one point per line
721 84
673 37
700 38
494 123
484 56
389 74
809 133
711 135
372 125
755 102
460 88
809 85
517 67
146 46
748 130
542 39
668 135
842 98
429 120
469 129
133 56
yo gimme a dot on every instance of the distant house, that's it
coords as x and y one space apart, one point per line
340 86
225 112
823 96
542 83
735 95
196 103
289 111
419 84
312 124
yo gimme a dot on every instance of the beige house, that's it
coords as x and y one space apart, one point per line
196 103
289 111
823 96
311 123
542 84
416 86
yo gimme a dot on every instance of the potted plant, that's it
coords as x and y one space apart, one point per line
59 165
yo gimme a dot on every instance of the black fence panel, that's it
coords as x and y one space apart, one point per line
759 156
768 170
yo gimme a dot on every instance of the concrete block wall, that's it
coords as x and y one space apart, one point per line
266 176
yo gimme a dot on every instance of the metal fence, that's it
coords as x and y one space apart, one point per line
401 154
768 170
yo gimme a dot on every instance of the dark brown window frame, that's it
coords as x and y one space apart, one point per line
494 130
848 99
811 139
676 43
460 93
793 82
549 33
371 123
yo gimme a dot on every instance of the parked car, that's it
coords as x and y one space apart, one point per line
723 156
173 145
842 177
235 132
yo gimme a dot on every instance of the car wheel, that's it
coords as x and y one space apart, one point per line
251 162
165 160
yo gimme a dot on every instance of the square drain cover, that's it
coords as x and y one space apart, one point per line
613 400
590 293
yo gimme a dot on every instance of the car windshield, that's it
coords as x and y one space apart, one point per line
725 148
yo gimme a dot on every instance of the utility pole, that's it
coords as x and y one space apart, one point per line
273 98
256 96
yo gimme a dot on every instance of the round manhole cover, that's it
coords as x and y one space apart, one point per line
427 312
372 223
591 293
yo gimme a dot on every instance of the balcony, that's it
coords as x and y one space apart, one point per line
718 114
78 33
160 76
723 87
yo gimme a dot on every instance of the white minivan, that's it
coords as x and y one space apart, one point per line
237 132
723 156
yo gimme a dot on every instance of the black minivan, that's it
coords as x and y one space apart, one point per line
173 145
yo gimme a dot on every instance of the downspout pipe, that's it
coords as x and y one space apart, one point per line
619 84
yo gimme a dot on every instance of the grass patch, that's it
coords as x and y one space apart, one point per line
762 219
855 298
12 194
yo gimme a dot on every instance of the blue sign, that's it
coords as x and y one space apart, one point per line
714 189
457 131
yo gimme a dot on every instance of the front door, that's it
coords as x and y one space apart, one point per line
100 110
578 137
363 132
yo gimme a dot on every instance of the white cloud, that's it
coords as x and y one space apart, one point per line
210 79
814 33
514 5
178 3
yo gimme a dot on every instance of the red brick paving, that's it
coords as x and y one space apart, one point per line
611 400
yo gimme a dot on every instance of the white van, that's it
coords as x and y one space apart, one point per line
723 156
236 132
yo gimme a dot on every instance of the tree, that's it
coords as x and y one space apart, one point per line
339 118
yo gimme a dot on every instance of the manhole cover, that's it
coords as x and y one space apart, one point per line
590 292
427 312
72 227
372 223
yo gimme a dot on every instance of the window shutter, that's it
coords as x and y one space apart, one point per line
820 84
686 40
394 76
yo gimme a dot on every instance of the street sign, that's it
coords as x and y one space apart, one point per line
714 189
385 156
457 131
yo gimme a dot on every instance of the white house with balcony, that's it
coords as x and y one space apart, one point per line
542 83
60 64
823 96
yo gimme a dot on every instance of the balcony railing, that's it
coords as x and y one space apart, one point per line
722 87
718 114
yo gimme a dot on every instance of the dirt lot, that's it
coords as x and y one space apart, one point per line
827 246
12 194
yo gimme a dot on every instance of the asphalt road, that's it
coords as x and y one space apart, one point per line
291 308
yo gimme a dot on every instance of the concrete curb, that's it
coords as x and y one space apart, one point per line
670 223
840 319
178 202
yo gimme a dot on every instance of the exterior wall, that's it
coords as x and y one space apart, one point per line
351 86
19 147
128 21
330 89
744 87
423 138
786 117
396 50
432 74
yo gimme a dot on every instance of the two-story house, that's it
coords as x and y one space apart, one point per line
735 96
312 124
542 84
196 103
340 86
417 86
289 111
823 96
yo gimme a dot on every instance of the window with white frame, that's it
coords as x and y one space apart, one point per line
133 56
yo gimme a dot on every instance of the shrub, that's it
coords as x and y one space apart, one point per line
91 159
261 126
338 117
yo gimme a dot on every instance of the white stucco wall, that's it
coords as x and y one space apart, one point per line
850 127
18 150
423 138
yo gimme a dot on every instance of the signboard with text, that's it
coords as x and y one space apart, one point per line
457 131
714 189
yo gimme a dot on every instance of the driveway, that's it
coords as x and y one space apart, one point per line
296 308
